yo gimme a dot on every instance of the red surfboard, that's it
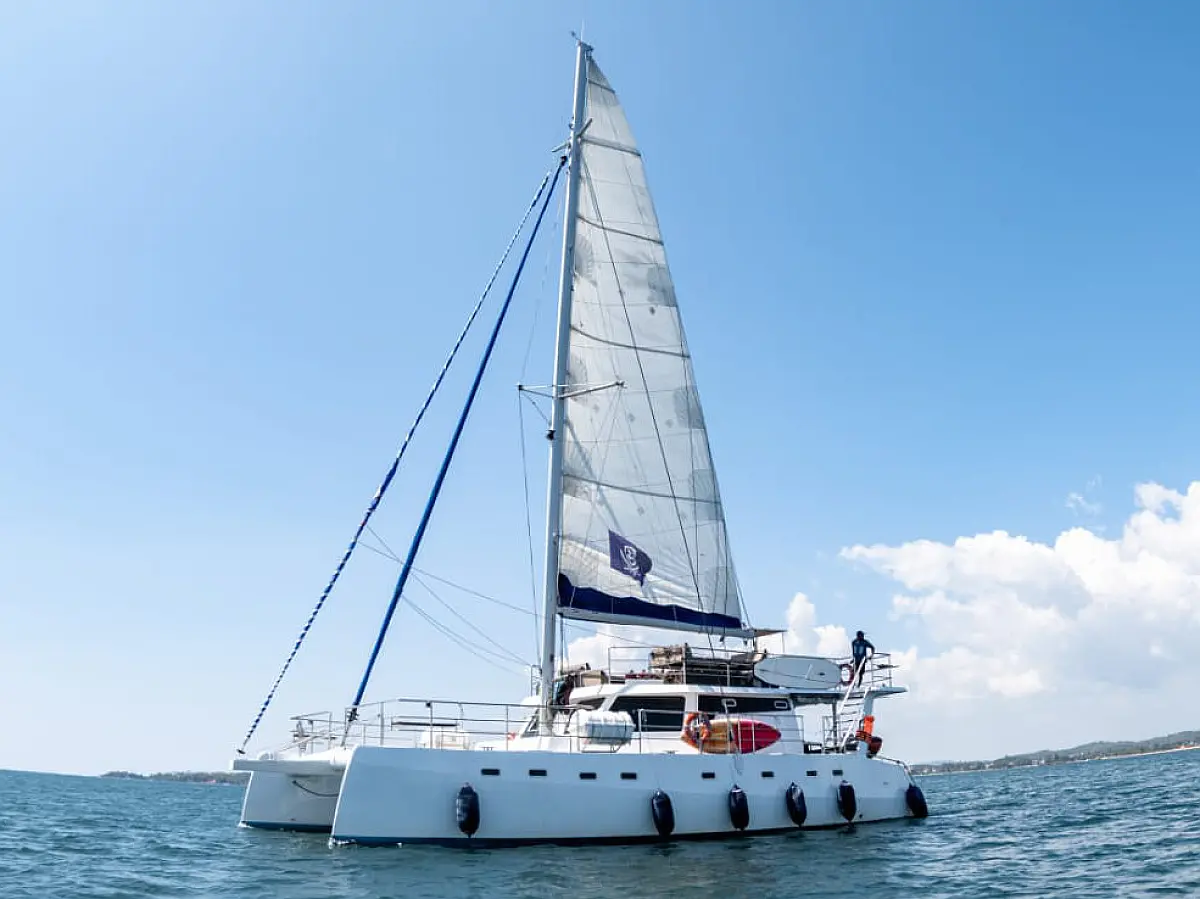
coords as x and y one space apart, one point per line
726 734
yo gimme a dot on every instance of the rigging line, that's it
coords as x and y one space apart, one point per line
458 429
484 596
504 650
452 584
476 649
383 543
391 473
537 619
529 396
591 631
496 661
391 557
537 306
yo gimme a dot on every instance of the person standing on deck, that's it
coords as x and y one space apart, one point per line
858 651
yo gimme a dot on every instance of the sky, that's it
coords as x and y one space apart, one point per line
937 264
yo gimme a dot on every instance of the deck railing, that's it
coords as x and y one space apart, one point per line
839 729
447 724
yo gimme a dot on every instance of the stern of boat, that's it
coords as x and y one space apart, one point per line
293 793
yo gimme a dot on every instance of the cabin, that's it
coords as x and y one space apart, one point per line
809 700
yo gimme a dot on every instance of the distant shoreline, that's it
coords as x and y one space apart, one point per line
992 767
217 778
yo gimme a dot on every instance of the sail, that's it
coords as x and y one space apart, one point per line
642 534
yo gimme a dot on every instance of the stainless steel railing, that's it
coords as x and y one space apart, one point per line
453 725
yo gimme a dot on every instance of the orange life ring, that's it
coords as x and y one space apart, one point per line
696 724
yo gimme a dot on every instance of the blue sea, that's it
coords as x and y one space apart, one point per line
1127 828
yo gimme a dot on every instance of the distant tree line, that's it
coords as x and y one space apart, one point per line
1188 739
195 777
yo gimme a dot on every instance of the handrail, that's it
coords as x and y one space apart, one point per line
855 674
447 724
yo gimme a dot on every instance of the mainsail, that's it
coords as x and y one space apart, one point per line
642 532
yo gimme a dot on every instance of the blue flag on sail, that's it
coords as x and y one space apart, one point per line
627 558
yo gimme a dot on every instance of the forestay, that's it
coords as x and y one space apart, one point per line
643 536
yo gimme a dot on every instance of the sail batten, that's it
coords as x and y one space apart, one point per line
643 536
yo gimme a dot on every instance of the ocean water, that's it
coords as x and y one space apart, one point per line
1127 828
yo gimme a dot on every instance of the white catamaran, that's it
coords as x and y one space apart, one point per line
674 742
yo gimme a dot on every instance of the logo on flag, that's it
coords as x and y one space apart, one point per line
627 558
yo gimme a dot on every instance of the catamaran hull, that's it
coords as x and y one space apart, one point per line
288 802
293 794
395 795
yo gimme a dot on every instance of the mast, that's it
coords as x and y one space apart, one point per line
558 402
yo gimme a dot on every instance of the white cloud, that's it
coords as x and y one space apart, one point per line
628 647
1021 644
1043 644
1082 504
804 636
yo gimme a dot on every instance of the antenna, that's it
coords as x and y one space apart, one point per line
582 21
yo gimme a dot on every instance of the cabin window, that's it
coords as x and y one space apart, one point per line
490 772
837 772
708 775
743 705
628 775
768 774
811 773
537 772
591 704
652 713
587 775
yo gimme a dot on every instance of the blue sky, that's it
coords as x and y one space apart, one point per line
937 264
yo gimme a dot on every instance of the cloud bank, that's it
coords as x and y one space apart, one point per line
1019 645
1041 644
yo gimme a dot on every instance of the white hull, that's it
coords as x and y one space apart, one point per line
294 794
391 795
